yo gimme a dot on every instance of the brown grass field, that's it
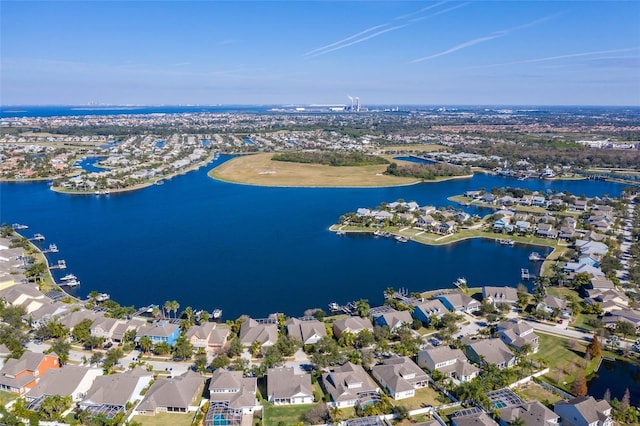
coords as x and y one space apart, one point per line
258 169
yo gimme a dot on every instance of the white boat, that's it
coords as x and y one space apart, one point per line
460 282
217 313
102 297
401 239
535 256
71 283
18 226
68 277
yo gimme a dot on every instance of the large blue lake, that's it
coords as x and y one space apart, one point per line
257 250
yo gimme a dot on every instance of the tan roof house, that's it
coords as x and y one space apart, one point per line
237 391
451 362
517 333
584 411
491 351
308 332
347 384
400 376
352 325
284 387
178 394
263 331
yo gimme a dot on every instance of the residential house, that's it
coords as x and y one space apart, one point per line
347 384
20 375
237 391
263 331
178 394
400 376
24 295
284 387
209 335
424 311
546 230
70 380
600 283
573 268
458 302
76 317
104 327
451 362
584 411
353 325
474 417
609 300
591 247
161 331
47 313
393 319
491 351
531 413
631 316
308 331
518 333
427 222
109 395
551 304
495 295
122 328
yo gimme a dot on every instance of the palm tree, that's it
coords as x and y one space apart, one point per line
518 422
145 344
175 306
167 308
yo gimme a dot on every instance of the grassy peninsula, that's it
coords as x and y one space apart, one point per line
260 169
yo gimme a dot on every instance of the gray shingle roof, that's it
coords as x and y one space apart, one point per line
177 392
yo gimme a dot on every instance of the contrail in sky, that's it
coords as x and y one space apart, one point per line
479 40
571 55
367 34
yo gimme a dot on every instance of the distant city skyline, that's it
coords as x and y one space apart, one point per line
317 52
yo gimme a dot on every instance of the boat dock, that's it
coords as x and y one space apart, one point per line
37 237
52 249
349 309
60 265
524 274
535 256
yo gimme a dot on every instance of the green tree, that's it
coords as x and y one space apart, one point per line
145 344
235 347
220 361
162 348
61 348
82 331
183 349
363 307
111 358
53 406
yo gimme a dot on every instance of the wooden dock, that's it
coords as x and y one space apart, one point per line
524 274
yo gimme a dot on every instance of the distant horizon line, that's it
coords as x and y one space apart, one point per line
99 106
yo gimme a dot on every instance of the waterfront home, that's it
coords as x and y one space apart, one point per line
517 333
573 268
551 304
495 295
584 411
591 247
459 302
209 335
348 384
353 325
25 295
546 230
531 413
427 221
450 362
446 228
400 376
393 319
579 205
70 380
425 311
179 394
104 327
263 331
491 351
600 283
47 313
284 387
161 331
238 392
20 375
109 395
308 331
472 417
631 316
119 331
76 317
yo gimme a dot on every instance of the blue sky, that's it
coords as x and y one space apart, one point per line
303 52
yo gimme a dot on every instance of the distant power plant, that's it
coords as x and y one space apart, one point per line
355 107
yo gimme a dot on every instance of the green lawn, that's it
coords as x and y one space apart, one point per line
288 414
424 397
565 359
534 392
6 397
166 419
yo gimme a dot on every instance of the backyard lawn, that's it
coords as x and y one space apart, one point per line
423 398
6 397
534 392
166 419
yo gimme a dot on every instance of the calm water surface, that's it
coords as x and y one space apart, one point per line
257 250
617 377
